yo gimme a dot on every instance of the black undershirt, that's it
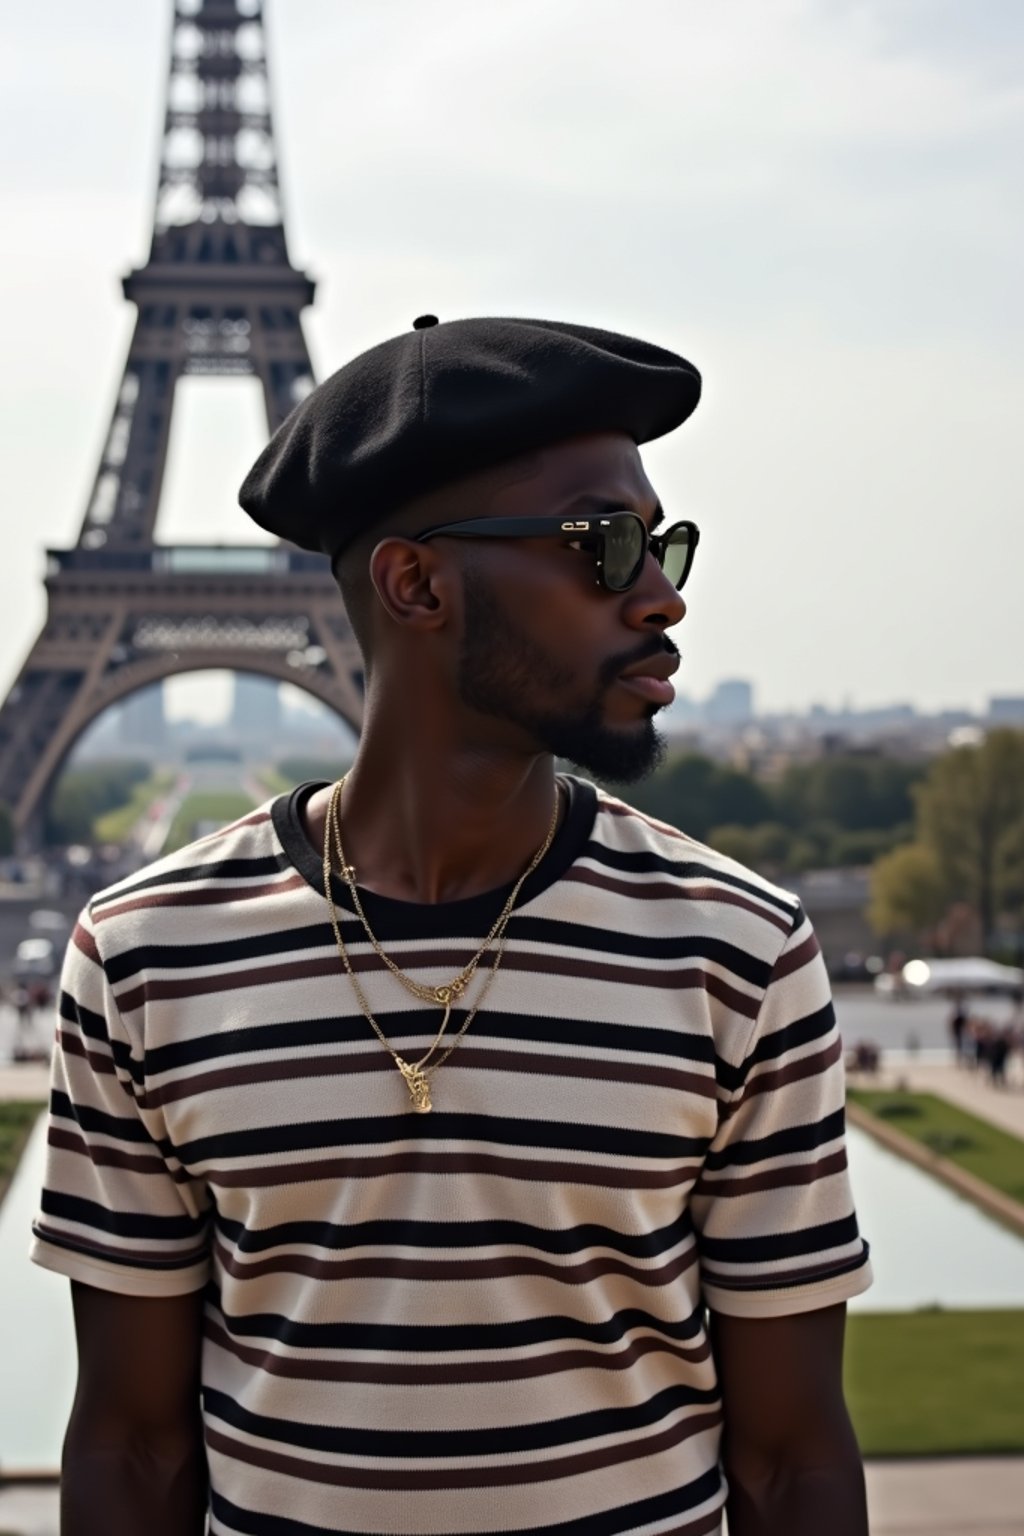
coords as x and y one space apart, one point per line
393 919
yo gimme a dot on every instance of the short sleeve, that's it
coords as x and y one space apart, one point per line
116 1212
773 1208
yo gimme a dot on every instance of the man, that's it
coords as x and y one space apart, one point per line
488 1133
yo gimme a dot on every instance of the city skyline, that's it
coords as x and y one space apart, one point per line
842 272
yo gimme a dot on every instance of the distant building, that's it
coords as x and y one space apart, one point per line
143 721
256 709
731 703
1007 710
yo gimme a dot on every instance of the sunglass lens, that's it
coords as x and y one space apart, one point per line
624 546
678 554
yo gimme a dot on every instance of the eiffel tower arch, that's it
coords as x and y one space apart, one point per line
217 296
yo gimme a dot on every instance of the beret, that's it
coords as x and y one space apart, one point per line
447 400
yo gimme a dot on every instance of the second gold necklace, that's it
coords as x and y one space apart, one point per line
417 1075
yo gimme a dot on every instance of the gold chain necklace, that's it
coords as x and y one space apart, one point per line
417 1074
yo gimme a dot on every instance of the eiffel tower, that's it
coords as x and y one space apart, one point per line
219 296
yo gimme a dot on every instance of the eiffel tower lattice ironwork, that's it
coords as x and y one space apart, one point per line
218 295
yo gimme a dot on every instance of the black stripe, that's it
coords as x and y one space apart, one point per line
62 1240
609 943
387 1130
120 1223
433 1338
295 1036
796 1138
453 1235
611 1522
350 1440
97 1123
222 869
814 1026
92 1025
645 863
780 1245
827 1271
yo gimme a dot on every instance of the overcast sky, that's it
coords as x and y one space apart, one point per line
817 201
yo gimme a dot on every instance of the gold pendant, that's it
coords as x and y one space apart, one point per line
418 1085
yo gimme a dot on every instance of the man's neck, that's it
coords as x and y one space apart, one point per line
442 822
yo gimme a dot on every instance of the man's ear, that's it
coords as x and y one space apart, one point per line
412 582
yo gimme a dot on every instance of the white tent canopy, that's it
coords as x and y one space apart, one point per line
971 974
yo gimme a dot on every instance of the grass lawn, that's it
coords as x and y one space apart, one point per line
936 1383
216 805
980 1148
16 1120
275 783
115 826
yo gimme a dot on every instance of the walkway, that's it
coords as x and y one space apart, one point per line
969 1090
981 1496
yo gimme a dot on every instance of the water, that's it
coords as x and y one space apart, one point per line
37 1341
929 1247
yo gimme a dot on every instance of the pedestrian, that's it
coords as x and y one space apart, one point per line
24 1016
958 1027
999 1047
487 1133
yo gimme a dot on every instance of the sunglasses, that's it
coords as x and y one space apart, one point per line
620 542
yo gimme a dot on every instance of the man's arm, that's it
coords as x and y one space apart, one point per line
133 1454
789 1450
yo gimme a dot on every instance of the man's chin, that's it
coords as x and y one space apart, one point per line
622 755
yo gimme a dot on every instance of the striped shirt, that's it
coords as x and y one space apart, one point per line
491 1317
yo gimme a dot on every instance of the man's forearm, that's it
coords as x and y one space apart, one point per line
799 1501
132 1488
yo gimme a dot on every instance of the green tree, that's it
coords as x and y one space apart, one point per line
694 793
909 893
851 793
83 794
767 847
969 812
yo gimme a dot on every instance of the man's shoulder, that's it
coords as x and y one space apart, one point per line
240 857
642 846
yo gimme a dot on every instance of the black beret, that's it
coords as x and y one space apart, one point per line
443 401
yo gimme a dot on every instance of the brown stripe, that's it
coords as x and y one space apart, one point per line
462 1270
203 896
112 1157
74 1045
495 1475
630 813
82 939
535 962
529 1170
625 1071
665 890
454 1372
691 978
481 1058
252 820
795 1072
795 959
143 1256
776 1178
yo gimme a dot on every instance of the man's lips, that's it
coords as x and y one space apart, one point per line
650 679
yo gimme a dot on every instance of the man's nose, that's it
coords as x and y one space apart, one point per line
654 602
